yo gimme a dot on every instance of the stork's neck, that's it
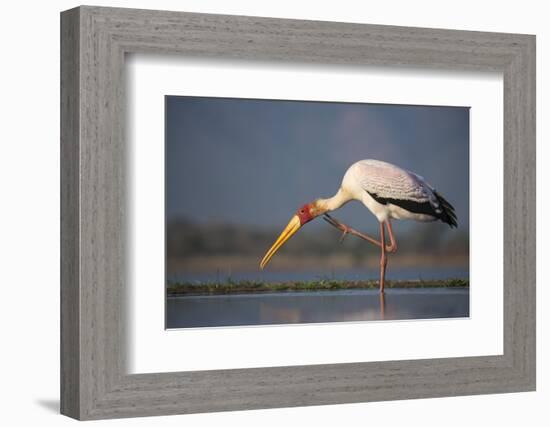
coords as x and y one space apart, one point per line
332 203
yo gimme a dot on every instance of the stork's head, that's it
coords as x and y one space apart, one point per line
302 216
306 213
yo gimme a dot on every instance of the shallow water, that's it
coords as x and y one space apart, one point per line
314 307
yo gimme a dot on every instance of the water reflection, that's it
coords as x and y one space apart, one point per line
315 307
383 306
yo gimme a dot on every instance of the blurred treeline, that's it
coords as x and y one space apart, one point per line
185 238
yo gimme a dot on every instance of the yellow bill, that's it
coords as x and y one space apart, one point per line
292 227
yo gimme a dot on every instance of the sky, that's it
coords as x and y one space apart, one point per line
254 162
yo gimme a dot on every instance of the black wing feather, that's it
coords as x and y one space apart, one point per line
447 214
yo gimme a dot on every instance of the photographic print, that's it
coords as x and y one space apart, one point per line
292 212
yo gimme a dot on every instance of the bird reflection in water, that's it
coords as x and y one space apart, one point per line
382 306
271 312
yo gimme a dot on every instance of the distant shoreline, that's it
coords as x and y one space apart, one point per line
247 287
206 264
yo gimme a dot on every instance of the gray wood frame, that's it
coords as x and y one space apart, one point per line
94 41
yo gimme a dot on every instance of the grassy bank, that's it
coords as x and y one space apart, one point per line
244 287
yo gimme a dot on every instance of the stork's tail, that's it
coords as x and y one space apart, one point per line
447 214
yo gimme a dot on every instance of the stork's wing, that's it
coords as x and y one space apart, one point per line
388 183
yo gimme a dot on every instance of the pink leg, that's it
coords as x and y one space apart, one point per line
392 248
383 257
348 230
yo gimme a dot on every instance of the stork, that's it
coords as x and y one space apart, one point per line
388 191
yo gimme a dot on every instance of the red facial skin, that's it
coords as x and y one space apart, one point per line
305 214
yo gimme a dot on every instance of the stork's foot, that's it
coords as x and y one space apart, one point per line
340 226
345 231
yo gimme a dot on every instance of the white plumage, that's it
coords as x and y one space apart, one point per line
389 191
